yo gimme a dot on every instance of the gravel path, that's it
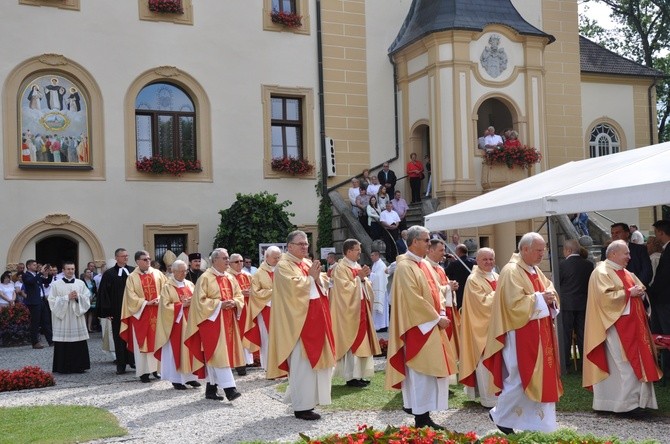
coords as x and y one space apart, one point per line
159 414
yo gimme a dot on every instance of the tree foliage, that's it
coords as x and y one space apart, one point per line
325 218
253 219
642 35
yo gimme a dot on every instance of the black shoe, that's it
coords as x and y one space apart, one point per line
241 371
424 420
232 393
120 371
406 410
132 366
364 382
505 430
145 378
194 383
178 386
355 383
383 330
307 415
210 392
156 375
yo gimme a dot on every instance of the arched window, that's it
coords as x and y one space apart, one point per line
604 140
165 122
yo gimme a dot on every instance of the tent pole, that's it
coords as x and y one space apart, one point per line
555 278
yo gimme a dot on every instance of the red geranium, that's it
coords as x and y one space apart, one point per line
162 165
522 156
291 165
166 6
25 378
288 19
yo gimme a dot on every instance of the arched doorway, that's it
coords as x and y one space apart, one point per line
493 112
55 250
420 143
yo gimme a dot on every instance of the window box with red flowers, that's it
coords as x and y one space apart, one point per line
521 156
162 165
288 19
166 6
292 166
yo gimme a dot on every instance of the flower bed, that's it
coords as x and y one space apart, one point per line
14 325
291 165
161 165
522 156
404 434
166 6
25 378
288 19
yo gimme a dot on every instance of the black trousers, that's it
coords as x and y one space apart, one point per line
573 320
415 185
123 355
40 321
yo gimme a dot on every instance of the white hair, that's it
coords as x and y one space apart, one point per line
236 257
485 250
272 249
528 239
615 246
178 264
216 253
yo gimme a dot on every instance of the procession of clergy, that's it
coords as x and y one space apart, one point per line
308 325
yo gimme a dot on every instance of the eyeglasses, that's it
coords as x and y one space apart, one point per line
301 244
145 259
235 262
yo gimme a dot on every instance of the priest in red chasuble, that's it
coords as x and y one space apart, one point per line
258 318
522 343
175 302
301 334
212 331
139 314
478 297
351 299
620 362
244 280
418 363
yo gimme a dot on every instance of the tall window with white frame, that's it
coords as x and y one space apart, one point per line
287 123
286 6
165 121
604 140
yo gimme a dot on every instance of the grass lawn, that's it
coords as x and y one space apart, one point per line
56 424
376 397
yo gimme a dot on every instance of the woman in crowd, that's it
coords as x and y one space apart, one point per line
90 314
7 292
383 197
354 192
373 218
18 287
512 141
415 174
365 179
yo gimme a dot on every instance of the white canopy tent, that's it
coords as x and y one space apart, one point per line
630 179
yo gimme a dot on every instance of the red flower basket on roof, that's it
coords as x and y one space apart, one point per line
521 156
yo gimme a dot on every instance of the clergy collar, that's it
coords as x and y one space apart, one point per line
217 272
613 265
349 263
294 259
232 271
266 266
413 257
432 262
529 268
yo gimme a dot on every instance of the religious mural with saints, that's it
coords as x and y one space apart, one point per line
54 123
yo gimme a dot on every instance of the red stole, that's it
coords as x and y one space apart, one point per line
448 310
493 284
317 327
254 333
144 328
538 336
210 331
363 324
245 284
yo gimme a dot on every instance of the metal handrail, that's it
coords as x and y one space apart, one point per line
604 217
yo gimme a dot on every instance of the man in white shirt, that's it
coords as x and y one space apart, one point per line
379 279
491 139
635 236
390 219
373 186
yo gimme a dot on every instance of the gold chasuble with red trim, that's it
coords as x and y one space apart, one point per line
141 287
219 338
608 298
244 280
453 329
415 300
261 294
536 341
295 316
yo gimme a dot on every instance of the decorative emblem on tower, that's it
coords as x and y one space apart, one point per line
493 58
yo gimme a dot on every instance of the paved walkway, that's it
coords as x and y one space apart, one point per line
156 413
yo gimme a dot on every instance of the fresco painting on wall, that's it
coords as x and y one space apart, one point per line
54 124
